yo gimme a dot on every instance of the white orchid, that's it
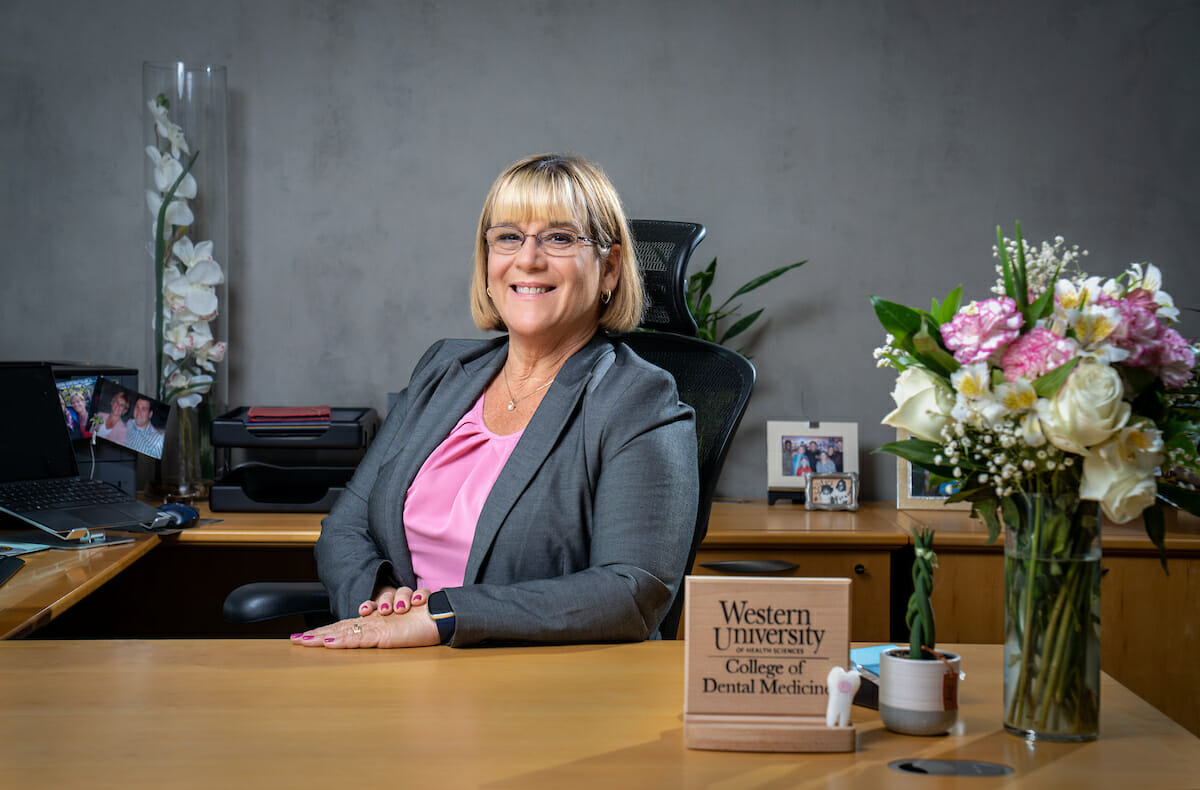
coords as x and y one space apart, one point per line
187 272
167 170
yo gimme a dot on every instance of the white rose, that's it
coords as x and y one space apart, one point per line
1120 474
1087 410
923 405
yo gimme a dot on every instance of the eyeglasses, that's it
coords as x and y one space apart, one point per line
506 240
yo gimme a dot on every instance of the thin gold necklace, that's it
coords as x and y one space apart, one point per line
512 401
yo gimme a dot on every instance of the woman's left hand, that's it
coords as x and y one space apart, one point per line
414 628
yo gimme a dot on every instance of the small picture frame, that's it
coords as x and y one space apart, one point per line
796 450
833 491
915 491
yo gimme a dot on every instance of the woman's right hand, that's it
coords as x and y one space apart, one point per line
392 600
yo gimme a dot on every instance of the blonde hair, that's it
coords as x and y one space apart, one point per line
558 188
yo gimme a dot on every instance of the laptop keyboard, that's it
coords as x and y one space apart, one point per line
29 495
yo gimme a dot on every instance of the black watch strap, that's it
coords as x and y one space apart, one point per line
442 614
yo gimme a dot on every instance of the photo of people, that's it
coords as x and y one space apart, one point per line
798 450
76 395
833 492
803 455
129 418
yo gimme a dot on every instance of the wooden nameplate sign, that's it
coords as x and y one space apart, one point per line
759 651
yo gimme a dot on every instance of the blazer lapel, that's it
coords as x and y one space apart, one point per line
446 402
552 417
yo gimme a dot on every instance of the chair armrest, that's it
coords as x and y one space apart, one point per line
260 601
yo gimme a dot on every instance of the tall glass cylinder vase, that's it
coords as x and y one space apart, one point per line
1051 617
188 207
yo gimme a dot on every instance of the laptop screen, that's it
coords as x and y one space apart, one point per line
34 444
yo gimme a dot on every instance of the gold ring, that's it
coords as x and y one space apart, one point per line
356 628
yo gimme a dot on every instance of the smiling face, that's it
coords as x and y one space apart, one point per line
549 300
118 405
141 412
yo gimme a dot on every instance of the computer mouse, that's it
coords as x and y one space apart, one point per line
176 516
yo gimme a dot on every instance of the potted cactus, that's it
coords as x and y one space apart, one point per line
918 685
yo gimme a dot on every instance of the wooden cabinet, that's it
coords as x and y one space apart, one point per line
869 572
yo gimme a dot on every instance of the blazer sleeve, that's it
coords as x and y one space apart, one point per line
349 562
644 492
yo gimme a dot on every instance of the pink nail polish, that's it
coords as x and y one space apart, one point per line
400 604
294 636
306 638
417 598
384 607
330 639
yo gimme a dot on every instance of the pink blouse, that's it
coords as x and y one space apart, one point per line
444 501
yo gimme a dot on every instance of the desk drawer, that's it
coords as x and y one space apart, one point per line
869 571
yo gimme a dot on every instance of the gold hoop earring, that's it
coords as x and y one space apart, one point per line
605 297
489 293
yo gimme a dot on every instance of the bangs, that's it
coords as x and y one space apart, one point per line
540 195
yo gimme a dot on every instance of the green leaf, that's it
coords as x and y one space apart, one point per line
944 312
1178 497
741 326
987 511
1156 530
1048 385
1020 278
930 351
919 452
897 320
763 279
1006 266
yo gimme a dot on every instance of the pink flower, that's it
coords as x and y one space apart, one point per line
1174 360
1140 331
1035 354
981 329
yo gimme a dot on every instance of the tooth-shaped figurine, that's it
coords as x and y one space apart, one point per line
842 687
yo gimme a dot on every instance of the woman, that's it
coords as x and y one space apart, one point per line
80 407
73 429
112 424
537 487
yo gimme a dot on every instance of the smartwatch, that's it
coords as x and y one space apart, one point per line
442 614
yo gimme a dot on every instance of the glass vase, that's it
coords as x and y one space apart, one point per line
1051 617
186 155
181 470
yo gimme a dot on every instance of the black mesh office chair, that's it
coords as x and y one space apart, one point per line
713 380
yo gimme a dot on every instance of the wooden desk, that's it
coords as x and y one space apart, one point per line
54 580
1142 608
255 713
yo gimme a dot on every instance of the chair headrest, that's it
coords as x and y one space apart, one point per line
663 250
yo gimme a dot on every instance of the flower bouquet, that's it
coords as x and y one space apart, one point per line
1062 395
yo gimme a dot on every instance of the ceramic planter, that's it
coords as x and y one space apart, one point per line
915 696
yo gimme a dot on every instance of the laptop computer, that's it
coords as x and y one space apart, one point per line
36 453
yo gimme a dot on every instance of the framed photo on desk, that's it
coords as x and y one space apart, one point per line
915 490
796 450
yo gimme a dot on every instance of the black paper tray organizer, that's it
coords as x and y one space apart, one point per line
287 468
265 487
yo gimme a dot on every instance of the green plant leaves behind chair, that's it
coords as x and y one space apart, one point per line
709 319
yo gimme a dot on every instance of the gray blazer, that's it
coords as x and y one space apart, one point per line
585 534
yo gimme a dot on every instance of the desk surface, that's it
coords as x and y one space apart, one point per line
54 580
737 524
261 713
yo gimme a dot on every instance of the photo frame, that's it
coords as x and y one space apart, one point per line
913 488
129 418
832 491
797 449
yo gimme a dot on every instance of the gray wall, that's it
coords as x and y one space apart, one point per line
883 141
